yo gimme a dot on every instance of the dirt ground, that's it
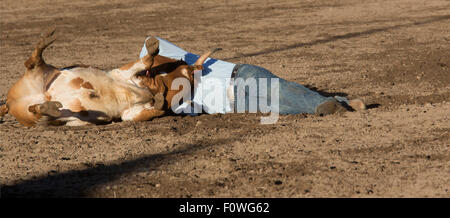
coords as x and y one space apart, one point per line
395 54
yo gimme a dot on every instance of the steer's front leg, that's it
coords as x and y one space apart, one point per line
141 113
129 70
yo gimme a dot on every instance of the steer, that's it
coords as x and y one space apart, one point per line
80 95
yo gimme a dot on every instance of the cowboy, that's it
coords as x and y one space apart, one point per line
224 87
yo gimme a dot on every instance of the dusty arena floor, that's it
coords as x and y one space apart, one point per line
395 54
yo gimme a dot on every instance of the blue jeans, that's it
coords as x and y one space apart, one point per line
293 97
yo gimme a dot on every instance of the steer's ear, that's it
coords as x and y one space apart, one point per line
186 72
152 46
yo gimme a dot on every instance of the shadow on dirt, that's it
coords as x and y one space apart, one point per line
78 183
344 36
326 94
373 106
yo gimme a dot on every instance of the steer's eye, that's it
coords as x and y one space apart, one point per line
93 95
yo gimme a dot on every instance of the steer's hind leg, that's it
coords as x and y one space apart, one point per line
36 59
36 64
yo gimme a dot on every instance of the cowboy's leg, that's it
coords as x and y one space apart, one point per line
293 97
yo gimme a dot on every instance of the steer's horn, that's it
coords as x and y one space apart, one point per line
205 56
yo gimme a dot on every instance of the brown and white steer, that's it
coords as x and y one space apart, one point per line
81 95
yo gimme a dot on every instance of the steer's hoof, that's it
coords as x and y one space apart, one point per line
51 108
159 101
47 38
152 46
104 119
